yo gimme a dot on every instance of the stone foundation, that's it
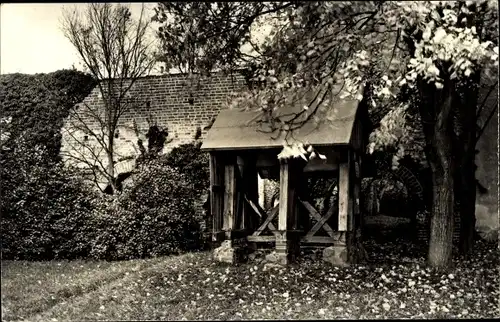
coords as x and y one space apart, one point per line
231 251
336 255
347 250
225 253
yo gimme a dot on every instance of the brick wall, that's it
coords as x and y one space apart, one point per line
164 100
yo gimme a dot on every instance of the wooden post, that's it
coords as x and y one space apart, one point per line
230 199
361 195
216 195
287 214
260 184
344 194
226 252
340 252
357 192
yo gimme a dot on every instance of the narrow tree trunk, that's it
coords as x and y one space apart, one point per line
111 165
441 235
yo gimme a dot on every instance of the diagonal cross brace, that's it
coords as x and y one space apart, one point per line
262 214
321 221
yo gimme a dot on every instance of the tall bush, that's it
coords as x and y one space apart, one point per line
44 213
42 205
37 105
189 160
155 216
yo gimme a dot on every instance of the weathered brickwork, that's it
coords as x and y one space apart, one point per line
172 101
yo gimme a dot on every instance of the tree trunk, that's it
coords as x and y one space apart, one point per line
441 234
439 152
111 165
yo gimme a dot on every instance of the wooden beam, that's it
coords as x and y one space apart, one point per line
344 193
216 194
230 197
321 221
317 239
289 175
286 205
352 221
262 214
256 207
357 192
267 223
360 196
261 239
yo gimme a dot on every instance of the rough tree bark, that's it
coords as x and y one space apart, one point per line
441 235
435 108
467 195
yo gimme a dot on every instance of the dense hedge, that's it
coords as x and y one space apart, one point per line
42 205
156 216
44 214
51 214
37 105
189 160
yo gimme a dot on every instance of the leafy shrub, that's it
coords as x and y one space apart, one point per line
44 214
155 216
189 160
37 105
43 207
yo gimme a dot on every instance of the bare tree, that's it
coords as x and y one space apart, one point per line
114 49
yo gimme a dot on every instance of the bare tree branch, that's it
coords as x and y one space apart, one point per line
113 47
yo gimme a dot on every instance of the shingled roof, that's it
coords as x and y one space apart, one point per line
237 129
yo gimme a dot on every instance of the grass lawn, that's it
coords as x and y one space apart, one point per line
194 287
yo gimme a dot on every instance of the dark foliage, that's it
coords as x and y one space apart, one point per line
153 217
43 206
44 213
189 160
37 105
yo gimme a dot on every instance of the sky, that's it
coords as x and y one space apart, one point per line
31 39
